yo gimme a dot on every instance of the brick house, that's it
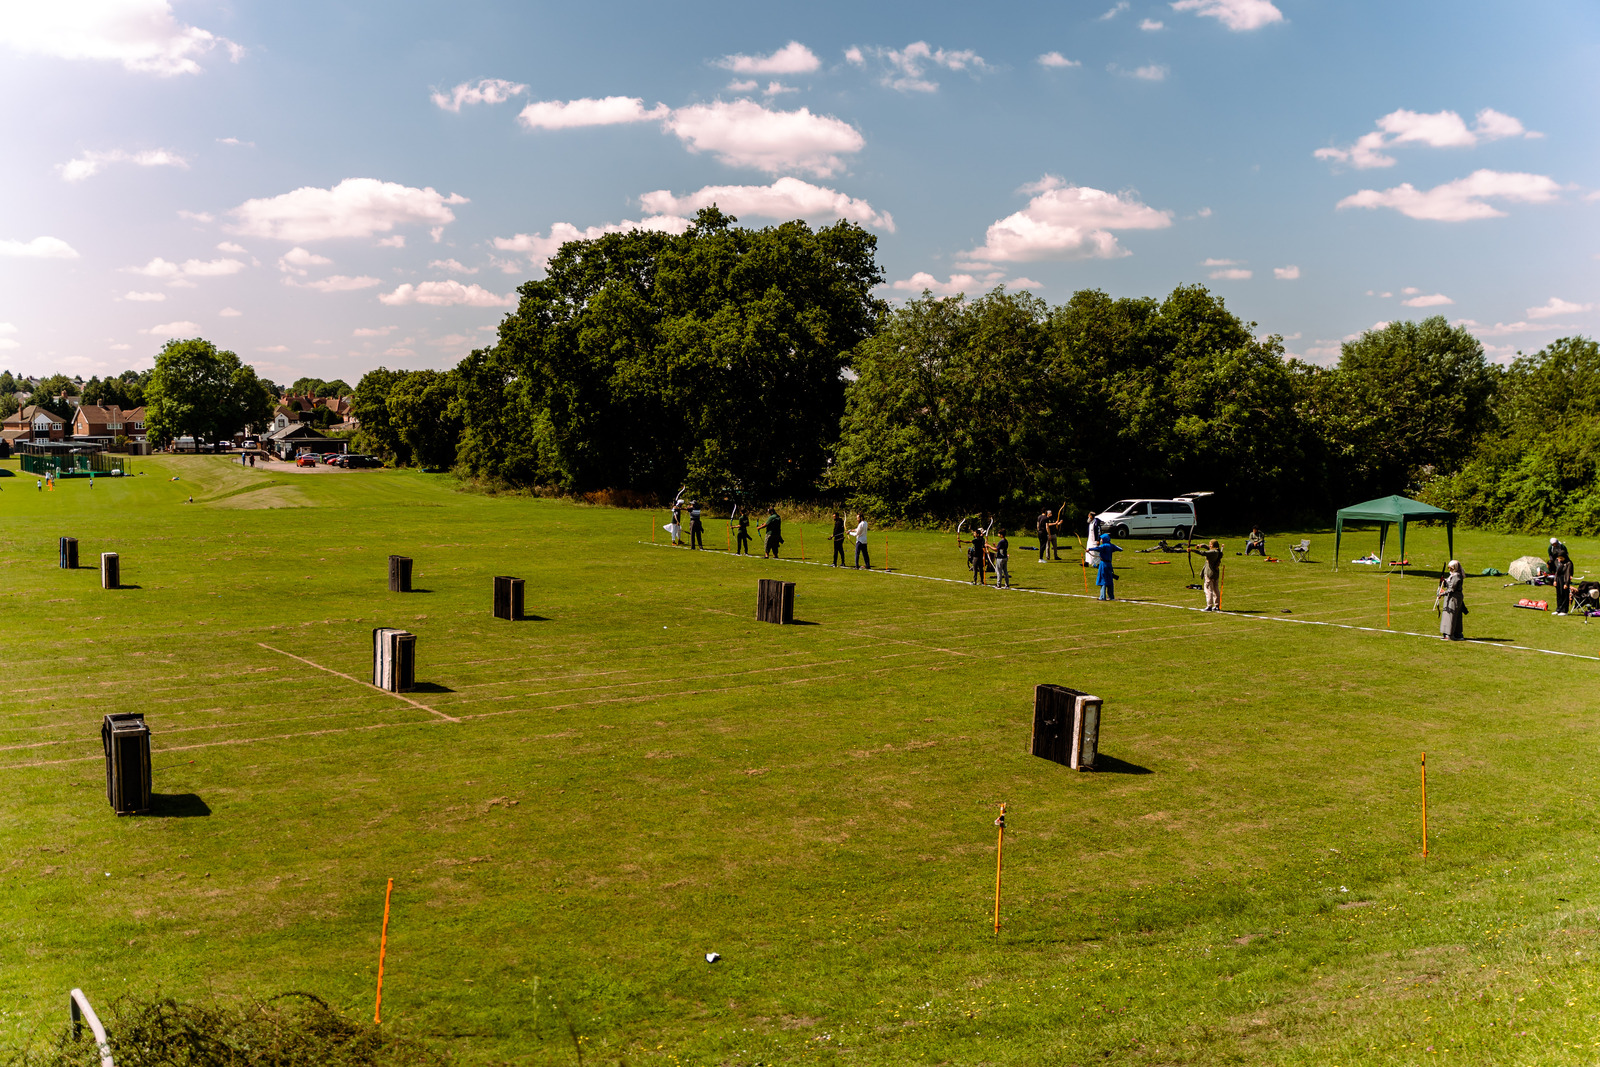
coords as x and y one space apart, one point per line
108 422
34 423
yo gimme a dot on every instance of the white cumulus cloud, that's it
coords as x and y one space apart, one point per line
539 249
182 328
1431 300
1067 222
1116 9
356 207
1557 306
142 35
447 294
1502 329
1286 274
483 91
1232 274
139 297
89 164
1237 15
786 198
372 331
39 248
1461 200
336 283
607 111
453 265
229 246
178 274
909 69
792 58
1151 25
1057 60
740 133
297 259
743 133
1438 129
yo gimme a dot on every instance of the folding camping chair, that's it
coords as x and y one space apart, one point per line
1302 551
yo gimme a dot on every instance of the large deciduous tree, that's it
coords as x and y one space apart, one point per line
198 390
644 359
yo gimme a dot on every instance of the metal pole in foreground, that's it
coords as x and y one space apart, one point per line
999 850
383 945
1424 805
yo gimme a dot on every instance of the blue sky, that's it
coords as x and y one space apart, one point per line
327 187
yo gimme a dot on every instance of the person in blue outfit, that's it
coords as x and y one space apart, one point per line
1105 577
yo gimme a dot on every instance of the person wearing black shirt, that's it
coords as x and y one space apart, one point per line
1563 573
695 528
1002 561
975 557
838 540
1042 525
742 536
772 530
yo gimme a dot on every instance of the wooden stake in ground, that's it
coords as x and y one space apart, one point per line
1424 805
383 945
999 850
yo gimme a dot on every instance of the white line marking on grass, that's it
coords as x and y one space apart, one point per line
1155 604
358 681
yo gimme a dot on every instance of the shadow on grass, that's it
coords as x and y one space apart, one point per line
1104 764
416 590
530 618
1489 640
176 806
430 687
124 585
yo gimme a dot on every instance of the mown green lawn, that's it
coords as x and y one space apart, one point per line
588 802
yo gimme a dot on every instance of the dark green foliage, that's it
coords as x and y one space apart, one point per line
1405 402
1541 469
125 391
316 387
291 1030
1003 404
410 418
204 392
644 359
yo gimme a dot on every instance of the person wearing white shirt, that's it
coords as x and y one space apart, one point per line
860 534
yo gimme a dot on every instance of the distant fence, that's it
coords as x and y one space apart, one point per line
73 466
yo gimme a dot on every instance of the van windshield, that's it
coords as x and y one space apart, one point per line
1120 506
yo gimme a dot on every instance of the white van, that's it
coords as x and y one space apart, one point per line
1150 518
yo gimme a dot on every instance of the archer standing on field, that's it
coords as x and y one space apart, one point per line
1002 561
860 534
695 527
772 534
838 540
1211 573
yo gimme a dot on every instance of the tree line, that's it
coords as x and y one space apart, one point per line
758 362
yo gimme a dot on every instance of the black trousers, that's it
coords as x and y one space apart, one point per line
694 537
838 553
1563 595
743 548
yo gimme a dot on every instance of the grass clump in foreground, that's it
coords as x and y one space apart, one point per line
288 1030
577 807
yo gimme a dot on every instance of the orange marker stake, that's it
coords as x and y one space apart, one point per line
1085 568
1424 805
886 550
802 530
383 945
652 519
1387 586
999 849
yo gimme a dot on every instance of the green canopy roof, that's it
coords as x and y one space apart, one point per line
1398 510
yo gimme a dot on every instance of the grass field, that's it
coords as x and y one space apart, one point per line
577 807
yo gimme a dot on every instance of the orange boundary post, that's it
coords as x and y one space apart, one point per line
1387 583
383 945
652 517
885 549
1424 805
999 850
1085 567
802 530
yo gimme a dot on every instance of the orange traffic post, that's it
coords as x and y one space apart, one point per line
1424 805
999 850
383 945
1388 583
1084 566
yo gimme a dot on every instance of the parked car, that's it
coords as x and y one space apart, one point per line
307 460
362 461
1150 518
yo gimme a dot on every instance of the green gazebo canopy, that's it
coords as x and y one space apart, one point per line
1397 511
